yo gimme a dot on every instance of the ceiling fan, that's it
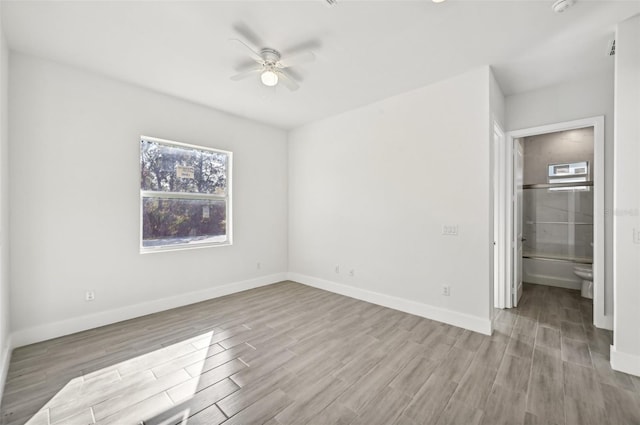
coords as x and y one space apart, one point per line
270 66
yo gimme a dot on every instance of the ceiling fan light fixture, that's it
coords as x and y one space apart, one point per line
269 78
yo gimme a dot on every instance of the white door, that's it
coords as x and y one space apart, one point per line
518 166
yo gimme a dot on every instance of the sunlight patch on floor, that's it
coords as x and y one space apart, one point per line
132 389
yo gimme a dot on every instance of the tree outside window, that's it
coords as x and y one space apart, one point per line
185 195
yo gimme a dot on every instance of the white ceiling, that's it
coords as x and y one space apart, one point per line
366 50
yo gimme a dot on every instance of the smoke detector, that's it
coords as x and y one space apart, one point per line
560 6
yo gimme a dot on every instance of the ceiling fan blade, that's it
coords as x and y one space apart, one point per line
247 49
287 80
297 59
305 46
248 34
246 74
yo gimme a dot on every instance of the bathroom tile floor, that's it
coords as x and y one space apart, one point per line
561 360
291 354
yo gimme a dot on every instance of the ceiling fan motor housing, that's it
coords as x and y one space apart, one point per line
269 55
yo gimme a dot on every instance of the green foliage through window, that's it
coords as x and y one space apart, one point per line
184 194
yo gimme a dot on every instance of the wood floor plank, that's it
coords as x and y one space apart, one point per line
155 358
250 394
490 354
82 418
470 341
359 365
570 315
431 400
384 408
139 412
521 345
192 385
123 400
504 407
209 416
182 362
201 366
574 331
576 351
363 390
315 399
334 414
190 406
548 337
622 406
545 398
455 365
406 352
584 413
578 378
257 370
413 376
80 388
70 406
403 420
262 410
457 413
475 386
546 361
525 326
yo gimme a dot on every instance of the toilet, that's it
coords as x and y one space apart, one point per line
585 272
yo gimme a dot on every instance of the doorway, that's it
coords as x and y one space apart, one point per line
510 259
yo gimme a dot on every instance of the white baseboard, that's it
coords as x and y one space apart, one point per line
90 321
462 320
625 362
4 366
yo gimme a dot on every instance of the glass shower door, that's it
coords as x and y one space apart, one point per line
558 222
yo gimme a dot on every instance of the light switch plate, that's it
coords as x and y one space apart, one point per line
450 229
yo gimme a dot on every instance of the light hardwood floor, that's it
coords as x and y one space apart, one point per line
290 354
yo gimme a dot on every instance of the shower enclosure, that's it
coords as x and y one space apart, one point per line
557 232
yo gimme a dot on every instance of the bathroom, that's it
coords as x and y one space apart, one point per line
557 210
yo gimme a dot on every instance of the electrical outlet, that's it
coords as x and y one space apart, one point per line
258 265
89 296
446 290
337 269
352 272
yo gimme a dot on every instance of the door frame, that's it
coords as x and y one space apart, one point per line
517 228
500 243
599 318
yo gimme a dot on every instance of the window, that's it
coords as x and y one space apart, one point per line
185 196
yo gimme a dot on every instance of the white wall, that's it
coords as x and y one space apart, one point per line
625 353
5 344
74 183
574 100
561 147
370 189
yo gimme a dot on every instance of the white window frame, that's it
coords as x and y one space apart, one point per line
188 195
